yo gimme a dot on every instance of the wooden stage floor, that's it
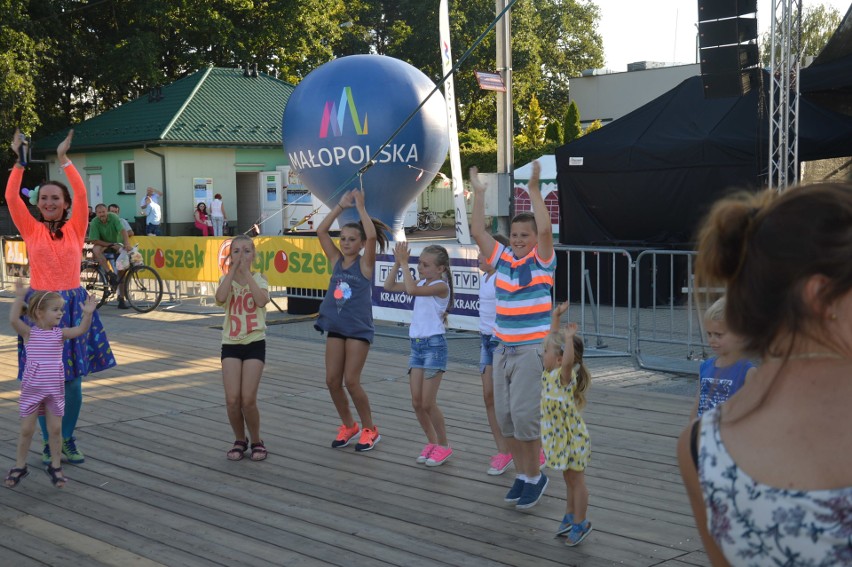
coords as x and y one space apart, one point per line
156 488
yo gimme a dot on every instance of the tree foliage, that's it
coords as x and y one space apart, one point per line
532 133
818 24
571 128
64 61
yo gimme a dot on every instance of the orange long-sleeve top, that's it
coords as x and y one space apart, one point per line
54 264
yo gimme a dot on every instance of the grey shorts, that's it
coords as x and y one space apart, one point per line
517 390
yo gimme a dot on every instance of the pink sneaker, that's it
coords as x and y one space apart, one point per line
439 455
499 463
424 454
541 460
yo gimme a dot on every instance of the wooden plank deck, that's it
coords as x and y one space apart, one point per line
156 488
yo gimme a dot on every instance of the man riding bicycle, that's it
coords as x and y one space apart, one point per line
107 234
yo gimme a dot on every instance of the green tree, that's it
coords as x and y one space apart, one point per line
553 132
818 25
552 40
532 131
571 129
595 125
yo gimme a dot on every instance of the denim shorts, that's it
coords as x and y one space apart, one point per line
429 353
488 343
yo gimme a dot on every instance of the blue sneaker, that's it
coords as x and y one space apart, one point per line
565 526
578 533
532 493
515 492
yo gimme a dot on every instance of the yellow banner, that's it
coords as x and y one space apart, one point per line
15 251
286 261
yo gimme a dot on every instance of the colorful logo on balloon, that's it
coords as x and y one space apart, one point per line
334 116
328 142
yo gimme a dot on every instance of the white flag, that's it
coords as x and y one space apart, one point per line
462 228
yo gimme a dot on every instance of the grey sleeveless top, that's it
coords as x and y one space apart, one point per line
347 308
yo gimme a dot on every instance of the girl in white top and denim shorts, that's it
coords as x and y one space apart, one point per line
433 296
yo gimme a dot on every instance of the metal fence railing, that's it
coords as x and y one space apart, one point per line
598 283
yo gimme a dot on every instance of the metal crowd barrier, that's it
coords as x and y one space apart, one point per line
669 329
598 283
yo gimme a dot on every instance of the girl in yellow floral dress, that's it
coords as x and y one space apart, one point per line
564 436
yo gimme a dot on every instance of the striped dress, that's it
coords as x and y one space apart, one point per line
523 287
43 383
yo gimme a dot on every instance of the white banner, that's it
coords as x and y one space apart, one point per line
462 228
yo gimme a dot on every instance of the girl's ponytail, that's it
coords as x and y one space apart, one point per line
584 379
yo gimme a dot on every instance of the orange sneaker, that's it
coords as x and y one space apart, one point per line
345 435
368 440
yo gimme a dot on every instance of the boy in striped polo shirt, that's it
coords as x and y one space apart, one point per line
524 280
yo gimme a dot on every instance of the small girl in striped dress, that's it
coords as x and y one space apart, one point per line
43 383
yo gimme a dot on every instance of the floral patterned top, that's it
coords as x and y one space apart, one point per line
755 524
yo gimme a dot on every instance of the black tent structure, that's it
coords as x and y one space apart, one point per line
648 178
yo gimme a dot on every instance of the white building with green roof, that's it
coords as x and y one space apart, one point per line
215 131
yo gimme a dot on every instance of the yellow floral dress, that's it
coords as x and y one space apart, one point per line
564 436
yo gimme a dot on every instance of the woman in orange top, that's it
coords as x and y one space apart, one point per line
54 243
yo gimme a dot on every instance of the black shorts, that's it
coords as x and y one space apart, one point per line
255 350
333 335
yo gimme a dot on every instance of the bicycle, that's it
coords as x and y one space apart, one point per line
141 284
427 219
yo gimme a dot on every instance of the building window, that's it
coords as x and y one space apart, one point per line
128 177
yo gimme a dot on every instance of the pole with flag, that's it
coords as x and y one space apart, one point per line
462 228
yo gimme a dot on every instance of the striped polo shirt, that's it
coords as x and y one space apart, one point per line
523 287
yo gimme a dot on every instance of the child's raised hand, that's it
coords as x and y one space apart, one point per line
401 253
358 197
348 199
570 330
20 289
90 305
560 309
475 182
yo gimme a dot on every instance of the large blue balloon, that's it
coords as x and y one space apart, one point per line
341 114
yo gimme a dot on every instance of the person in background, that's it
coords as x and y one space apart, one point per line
153 216
769 472
202 221
113 208
720 376
217 214
107 235
54 240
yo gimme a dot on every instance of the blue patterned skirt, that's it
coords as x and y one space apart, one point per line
90 352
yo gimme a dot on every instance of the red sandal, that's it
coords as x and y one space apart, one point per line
238 450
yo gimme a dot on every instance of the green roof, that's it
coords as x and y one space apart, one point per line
213 107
